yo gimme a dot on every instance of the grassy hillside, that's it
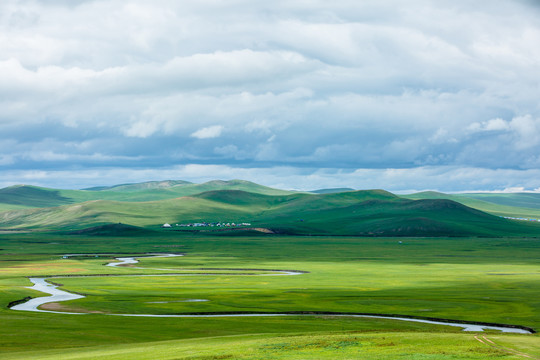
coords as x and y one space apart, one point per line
365 213
369 213
139 186
398 217
526 200
112 230
229 185
24 196
34 197
330 190
491 203
176 188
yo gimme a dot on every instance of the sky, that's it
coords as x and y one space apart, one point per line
297 94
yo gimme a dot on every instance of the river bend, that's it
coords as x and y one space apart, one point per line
57 295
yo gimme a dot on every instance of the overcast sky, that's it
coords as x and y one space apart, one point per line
301 94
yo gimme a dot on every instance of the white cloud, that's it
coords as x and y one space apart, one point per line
141 128
524 130
228 150
208 132
441 136
382 84
259 125
490 125
7 159
527 130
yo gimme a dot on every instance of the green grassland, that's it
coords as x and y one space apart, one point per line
426 255
474 279
414 346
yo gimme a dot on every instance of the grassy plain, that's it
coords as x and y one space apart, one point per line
474 279
352 345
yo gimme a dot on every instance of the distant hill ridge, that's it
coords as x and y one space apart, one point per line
362 212
331 190
32 196
112 230
25 196
502 204
140 186
358 213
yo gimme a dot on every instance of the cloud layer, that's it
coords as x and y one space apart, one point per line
127 86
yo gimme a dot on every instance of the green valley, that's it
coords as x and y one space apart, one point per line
353 252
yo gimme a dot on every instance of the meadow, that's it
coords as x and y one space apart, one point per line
492 280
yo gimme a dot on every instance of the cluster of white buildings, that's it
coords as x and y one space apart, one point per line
209 224
520 218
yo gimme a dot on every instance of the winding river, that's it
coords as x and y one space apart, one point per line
57 295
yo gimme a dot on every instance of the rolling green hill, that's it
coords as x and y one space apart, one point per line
330 190
525 200
24 196
496 204
113 230
32 196
364 213
140 186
